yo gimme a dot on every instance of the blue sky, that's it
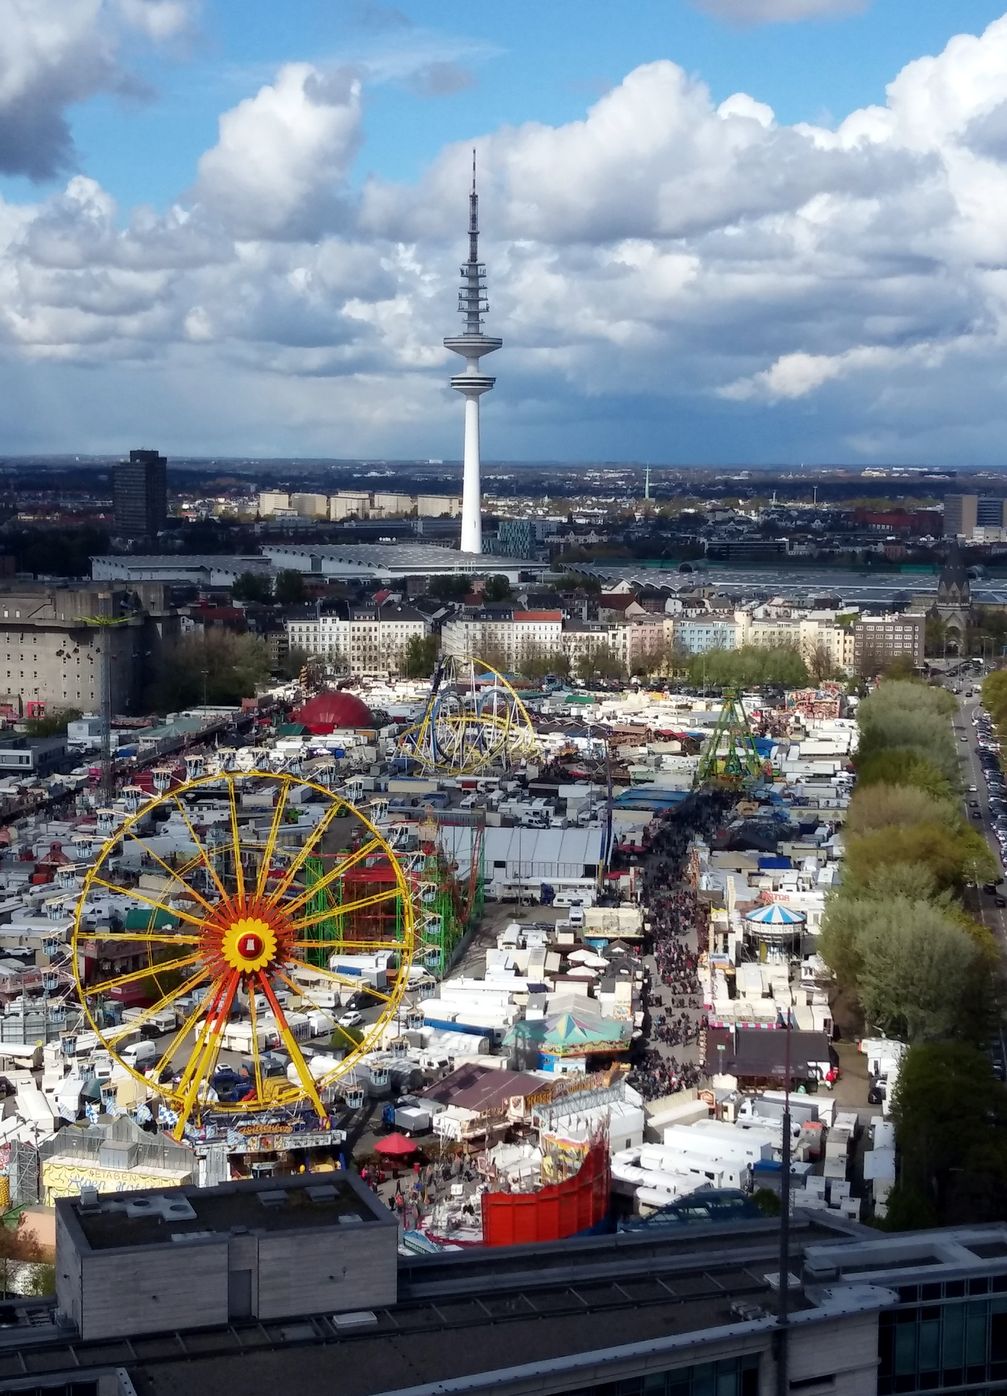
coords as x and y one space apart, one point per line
237 227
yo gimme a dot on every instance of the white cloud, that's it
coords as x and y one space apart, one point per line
279 166
57 53
779 11
669 275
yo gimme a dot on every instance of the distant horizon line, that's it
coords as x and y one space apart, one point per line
80 457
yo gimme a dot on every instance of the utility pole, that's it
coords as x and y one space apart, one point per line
783 1306
105 622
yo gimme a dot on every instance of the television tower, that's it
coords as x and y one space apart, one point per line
472 344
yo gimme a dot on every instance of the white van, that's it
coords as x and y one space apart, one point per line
139 1055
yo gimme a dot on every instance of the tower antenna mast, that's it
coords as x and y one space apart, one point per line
472 344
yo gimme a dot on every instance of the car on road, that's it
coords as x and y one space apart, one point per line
353 1019
1000 901
973 789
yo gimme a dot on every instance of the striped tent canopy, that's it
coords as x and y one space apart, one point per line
775 914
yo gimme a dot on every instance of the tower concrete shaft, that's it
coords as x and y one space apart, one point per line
472 344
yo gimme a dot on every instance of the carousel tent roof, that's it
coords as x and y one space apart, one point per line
776 914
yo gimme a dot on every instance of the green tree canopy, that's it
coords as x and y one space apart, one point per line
950 1118
420 656
225 666
750 666
955 856
497 588
289 588
903 765
52 724
252 586
882 805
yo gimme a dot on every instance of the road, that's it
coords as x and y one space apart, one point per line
972 774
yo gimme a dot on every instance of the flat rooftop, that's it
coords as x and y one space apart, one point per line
466 1312
168 1216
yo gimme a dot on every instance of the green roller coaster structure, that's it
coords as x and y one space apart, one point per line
731 756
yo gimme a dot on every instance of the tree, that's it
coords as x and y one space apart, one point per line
497 588
905 766
218 664
955 856
449 588
881 806
935 635
52 724
289 588
292 663
420 656
573 581
600 662
252 586
912 966
950 1117
821 665
917 968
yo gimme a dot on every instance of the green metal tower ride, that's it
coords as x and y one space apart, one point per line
731 755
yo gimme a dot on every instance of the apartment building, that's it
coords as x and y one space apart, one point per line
880 640
705 633
511 636
356 504
367 640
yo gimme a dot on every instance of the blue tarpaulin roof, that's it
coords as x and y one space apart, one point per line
774 861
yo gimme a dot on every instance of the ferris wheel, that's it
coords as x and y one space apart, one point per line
473 721
216 918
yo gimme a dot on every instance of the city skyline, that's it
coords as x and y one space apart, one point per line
710 242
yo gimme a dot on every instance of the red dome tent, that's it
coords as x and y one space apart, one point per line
331 711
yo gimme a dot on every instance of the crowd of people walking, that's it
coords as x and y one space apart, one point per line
674 1017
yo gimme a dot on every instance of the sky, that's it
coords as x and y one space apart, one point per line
716 231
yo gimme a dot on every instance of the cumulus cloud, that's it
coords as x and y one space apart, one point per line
279 166
667 273
779 11
56 53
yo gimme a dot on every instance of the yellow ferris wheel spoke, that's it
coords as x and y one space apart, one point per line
138 938
202 852
304 994
345 908
201 1065
134 976
359 855
256 1057
191 1018
239 871
343 979
296 1055
274 833
139 896
173 873
304 852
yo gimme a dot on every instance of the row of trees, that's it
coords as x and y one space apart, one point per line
907 954
896 934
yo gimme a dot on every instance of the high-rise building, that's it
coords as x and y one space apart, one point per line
472 344
964 513
140 494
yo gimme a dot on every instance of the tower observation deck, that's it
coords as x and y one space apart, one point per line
472 344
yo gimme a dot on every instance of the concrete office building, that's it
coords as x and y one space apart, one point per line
140 495
275 1285
965 513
